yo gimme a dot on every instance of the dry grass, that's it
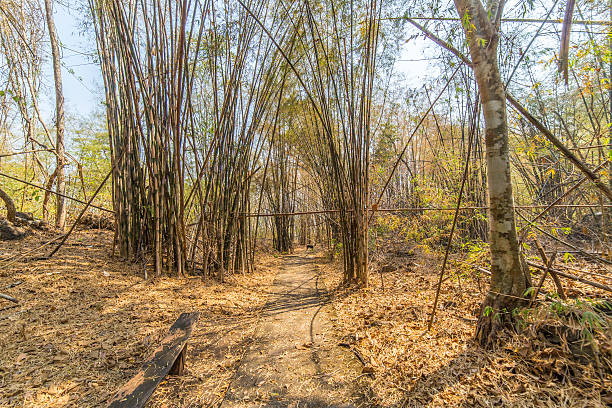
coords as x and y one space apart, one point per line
86 321
443 367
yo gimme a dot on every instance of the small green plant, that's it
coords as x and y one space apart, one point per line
568 258
557 307
529 292
521 316
336 247
592 320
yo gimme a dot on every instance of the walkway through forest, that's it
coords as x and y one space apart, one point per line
294 359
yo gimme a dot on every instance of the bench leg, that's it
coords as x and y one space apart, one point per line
179 364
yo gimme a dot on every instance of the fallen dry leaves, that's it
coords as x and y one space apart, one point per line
386 322
86 321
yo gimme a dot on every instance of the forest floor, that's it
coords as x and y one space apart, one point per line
86 321
288 335
386 323
295 359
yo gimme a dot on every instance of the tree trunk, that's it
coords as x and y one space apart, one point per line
607 215
10 206
45 208
60 214
361 248
508 283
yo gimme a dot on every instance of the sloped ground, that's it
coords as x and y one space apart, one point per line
386 323
86 321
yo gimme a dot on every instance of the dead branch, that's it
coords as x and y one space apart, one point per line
573 277
55 192
9 298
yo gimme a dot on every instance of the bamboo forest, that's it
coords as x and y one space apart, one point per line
305 203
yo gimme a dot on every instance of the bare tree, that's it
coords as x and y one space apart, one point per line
60 214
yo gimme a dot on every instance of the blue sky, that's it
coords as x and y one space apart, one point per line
83 86
82 82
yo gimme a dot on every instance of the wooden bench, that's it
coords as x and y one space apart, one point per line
168 358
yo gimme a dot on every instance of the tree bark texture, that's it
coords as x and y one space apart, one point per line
508 282
60 214
10 206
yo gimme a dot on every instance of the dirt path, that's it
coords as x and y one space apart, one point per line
294 359
86 321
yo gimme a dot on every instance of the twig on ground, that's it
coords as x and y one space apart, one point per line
9 298
12 285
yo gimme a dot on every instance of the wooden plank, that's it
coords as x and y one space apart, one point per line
170 355
179 364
